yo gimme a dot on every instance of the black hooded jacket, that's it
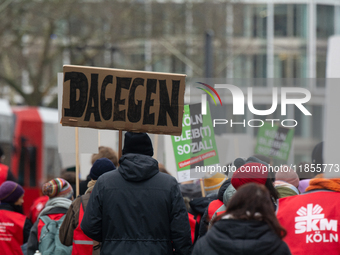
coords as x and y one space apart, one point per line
240 237
138 210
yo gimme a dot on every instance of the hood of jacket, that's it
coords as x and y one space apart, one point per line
223 187
191 190
137 167
246 237
200 204
56 202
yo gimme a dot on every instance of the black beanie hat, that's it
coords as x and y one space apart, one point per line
317 157
139 143
101 166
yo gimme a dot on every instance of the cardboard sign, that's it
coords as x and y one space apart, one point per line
196 146
135 101
274 141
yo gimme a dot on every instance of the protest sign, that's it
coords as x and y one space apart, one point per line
196 146
274 141
128 100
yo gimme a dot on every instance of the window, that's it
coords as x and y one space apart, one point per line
260 66
290 20
324 21
280 20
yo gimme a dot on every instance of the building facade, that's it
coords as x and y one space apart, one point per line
252 39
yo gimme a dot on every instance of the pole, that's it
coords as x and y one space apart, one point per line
209 54
120 141
77 161
156 147
98 138
202 187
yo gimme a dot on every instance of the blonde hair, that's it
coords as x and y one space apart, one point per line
105 152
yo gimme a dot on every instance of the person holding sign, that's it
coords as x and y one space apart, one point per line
137 209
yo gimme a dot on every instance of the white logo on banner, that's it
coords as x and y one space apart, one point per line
311 219
4 235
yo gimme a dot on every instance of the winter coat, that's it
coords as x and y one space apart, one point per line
137 210
240 237
197 209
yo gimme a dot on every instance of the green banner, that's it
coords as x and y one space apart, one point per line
274 141
196 146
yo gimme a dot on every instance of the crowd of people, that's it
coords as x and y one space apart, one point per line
132 205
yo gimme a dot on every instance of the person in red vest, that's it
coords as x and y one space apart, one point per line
248 171
312 218
5 172
60 195
37 206
212 208
14 226
70 232
197 208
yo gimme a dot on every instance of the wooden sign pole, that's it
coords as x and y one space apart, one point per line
98 138
202 187
155 155
120 141
77 161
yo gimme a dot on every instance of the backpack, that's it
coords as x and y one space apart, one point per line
49 243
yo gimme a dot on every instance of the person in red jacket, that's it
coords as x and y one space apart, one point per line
70 232
60 195
312 218
14 226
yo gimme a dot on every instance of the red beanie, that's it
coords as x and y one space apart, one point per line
251 172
